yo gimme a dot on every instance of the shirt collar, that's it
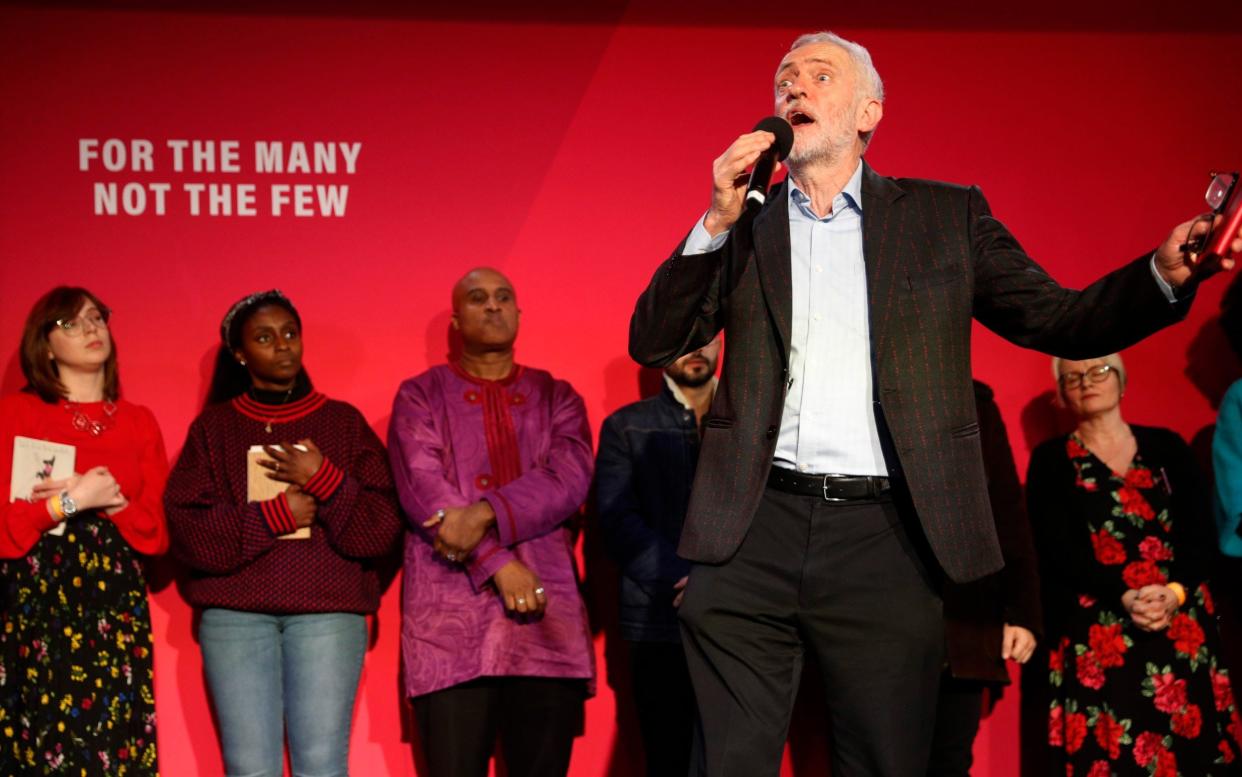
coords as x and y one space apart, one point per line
850 196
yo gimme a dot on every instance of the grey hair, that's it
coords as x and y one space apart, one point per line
1112 360
861 58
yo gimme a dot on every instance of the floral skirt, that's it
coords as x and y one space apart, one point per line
75 644
1131 702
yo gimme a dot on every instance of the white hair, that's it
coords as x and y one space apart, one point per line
1112 360
861 58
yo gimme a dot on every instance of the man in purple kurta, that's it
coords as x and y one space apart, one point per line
492 461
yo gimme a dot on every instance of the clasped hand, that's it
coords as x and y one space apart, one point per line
460 529
1151 607
94 489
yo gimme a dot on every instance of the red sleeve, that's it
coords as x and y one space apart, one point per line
21 523
142 523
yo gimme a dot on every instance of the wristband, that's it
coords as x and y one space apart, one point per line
58 512
1178 589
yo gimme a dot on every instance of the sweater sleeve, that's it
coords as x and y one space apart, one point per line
551 491
142 523
209 530
22 523
359 513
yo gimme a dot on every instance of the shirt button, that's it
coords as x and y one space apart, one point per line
816 316
802 467
819 268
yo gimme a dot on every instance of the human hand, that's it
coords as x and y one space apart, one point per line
291 465
1151 608
46 489
1017 644
1158 603
461 529
1177 264
729 179
680 588
96 488
302 505
520 589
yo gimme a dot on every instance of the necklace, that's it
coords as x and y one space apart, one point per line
267 427
84 423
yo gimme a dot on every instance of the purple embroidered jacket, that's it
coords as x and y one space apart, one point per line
455 627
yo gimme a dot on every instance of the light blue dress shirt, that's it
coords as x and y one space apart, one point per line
828 424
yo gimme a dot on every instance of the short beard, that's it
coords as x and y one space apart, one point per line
691 381
824 150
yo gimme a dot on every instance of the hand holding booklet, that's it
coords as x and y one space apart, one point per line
260 488
38 461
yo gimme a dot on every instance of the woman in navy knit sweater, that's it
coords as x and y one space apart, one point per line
283 584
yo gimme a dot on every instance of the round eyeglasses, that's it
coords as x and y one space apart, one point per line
77 326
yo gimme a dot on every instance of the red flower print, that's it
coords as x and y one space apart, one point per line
1108 644
1170 692
1186 634
1146 745
1108 733
1056 726
1133 503
1085 602
1140 573
1100 769
1138 477
1186 723
1152 549
1075 731
1226 752
1107 549
1056 658
1166 764
1208 603
86 703
1075 450
1221 690
1089 671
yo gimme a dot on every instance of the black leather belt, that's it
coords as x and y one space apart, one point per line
831 488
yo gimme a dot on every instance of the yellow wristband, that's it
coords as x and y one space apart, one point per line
58 512
1178 589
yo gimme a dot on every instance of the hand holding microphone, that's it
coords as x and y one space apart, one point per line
732 187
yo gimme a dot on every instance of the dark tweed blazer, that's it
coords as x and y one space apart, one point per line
935 257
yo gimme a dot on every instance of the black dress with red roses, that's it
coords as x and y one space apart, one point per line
1126 701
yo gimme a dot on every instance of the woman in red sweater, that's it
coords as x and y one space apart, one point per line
284 582
75 633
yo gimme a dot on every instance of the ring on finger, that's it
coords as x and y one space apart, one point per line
521 600
539 592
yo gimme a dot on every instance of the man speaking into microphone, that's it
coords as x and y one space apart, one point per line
840 479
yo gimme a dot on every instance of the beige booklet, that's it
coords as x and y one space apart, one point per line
35 461
260 488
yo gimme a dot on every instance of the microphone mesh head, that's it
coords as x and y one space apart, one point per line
783 132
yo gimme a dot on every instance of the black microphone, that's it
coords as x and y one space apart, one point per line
761 174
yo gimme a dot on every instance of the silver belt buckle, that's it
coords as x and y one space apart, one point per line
825 488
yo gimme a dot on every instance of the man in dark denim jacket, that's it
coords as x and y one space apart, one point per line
647 454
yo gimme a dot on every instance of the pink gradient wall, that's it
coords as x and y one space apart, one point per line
572 151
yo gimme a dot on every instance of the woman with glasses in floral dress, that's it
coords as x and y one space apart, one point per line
1125 536
75 634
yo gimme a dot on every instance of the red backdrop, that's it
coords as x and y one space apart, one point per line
570 148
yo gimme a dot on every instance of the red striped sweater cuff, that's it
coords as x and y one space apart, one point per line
324 483
278 516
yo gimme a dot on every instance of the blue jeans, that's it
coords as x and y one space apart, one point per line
272 674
